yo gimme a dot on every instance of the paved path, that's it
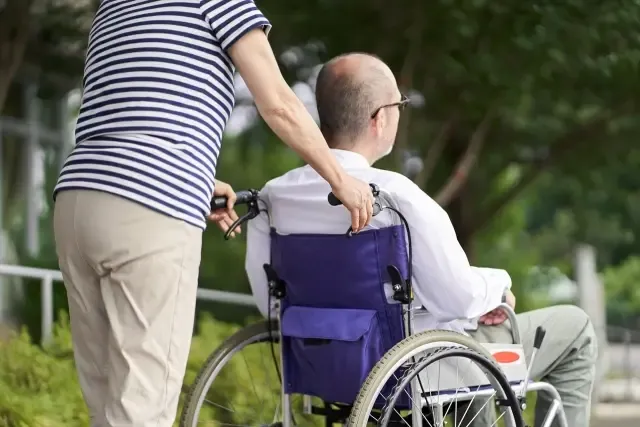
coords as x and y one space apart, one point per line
622 359
616 415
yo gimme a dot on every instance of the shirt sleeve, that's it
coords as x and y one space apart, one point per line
443 280
258 253
232 19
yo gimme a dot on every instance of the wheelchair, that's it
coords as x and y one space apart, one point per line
342 345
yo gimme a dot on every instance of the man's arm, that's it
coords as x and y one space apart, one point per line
444 281
259 253
287 116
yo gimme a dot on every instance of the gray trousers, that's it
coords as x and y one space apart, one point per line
566 360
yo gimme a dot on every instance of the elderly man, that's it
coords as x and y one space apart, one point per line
359 105
133 197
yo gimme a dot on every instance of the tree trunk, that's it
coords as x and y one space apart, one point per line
15 28
460 206
460 213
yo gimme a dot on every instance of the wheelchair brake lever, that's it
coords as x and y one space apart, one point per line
252 212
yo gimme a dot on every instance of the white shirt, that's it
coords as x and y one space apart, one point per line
453 293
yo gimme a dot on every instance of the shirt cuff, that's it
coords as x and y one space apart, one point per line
498 281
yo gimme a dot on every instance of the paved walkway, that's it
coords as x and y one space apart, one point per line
616 415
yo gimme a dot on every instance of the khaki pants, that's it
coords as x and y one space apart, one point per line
566 360
131 277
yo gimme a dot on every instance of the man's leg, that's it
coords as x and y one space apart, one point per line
89 323
149 265
566 360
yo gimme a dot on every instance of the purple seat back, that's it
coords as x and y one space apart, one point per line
336 321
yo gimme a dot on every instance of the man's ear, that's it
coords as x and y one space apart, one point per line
380 121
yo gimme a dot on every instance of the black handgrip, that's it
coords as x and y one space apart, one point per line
334 201
537 341
242 198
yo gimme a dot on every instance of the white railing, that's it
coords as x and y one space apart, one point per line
48 277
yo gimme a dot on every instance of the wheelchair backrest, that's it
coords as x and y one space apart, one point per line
337 320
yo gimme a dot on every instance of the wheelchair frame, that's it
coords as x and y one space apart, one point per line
555 410
250 198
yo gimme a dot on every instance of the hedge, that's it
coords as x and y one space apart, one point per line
39 387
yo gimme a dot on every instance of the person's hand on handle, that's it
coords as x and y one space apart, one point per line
357 197
224 218
498 316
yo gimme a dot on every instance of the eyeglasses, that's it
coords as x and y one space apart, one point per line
404 101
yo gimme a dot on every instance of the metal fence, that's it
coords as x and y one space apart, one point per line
48 277
625 355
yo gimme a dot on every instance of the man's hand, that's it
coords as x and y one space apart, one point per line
225 217
498 316
357 197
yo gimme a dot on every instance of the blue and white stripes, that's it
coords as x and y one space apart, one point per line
158 91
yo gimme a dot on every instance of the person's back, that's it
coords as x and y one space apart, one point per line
298 199
158 91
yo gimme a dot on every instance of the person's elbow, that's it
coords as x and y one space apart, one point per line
462 301
280 109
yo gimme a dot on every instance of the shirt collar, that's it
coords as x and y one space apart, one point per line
350 159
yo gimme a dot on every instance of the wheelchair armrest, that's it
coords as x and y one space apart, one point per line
511 315
515 330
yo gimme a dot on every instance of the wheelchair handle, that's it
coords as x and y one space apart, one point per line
334 201
243 197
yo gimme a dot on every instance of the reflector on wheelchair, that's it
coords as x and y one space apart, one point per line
511 359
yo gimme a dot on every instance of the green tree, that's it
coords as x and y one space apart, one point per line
507 86
598 206
623 293
42 42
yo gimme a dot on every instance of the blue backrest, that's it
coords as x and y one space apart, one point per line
336 319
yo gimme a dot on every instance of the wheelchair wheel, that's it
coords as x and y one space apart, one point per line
419 361
239 384
206 404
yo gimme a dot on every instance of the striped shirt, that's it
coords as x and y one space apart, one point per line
157 93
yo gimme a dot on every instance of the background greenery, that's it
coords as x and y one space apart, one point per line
526 123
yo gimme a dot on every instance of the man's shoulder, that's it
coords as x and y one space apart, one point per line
406 193
395 183
390 178
286 179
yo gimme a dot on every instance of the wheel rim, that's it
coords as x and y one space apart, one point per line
492 373
404 352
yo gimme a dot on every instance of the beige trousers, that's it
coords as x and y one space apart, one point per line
131 277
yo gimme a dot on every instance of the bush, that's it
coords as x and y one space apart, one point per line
39 387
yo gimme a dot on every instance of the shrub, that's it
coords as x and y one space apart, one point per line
39 387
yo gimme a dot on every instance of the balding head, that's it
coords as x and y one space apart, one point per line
348 90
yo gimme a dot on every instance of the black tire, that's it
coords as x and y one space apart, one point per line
482 361
404 351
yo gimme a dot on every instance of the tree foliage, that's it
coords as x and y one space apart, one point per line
506 85
526 130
